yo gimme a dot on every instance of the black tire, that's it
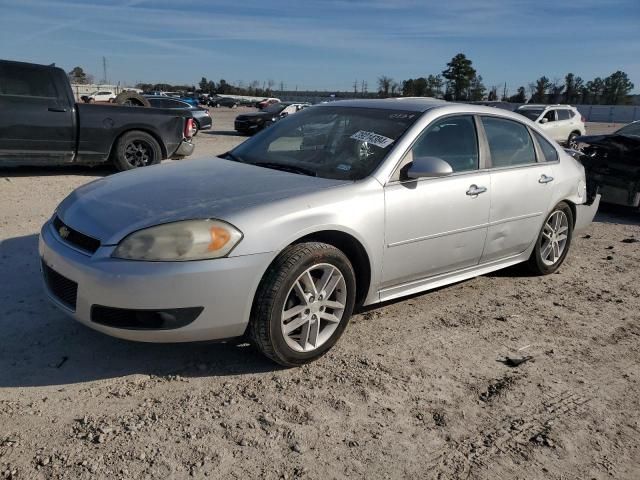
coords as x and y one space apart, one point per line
571 141
196 127
132 99
136 149
536 263
265 329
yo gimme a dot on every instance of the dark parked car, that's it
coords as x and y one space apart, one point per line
201 116
249 123
612 162
40 124
223 102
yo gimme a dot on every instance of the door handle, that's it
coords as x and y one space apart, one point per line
57 109
545 179
476 190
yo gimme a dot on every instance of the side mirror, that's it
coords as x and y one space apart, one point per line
423 167
544 120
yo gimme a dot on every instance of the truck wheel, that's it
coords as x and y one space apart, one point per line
303 303
132 99
136 149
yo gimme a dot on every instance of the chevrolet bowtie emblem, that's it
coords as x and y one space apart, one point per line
64 232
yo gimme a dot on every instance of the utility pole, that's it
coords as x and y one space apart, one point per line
104 70
366 88
504 92
355 88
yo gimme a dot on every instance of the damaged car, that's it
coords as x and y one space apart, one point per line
612 163
341 205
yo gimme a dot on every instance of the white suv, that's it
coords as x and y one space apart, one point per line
102 96
561 122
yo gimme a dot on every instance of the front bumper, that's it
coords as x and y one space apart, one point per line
185 149
246 127
224 288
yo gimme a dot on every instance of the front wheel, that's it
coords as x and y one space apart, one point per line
553 241
303 303
571 141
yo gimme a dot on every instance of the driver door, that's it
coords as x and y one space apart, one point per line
437 225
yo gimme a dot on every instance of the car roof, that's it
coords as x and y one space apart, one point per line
160 97
543 106
413 104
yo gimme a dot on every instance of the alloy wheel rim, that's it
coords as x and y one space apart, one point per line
138 154
554 238
313 308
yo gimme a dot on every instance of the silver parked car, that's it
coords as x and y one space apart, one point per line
345 204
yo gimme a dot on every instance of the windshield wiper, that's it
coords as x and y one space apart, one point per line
232 157
287 168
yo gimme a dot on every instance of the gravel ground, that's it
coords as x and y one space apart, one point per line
414 389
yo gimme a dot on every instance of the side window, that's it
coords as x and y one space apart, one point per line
26 82
453 139
550 116
509 142
550 153
563 115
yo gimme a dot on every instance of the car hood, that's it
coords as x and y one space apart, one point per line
621 143
256 115
112 207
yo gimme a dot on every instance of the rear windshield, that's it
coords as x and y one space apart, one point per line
530 113
345 143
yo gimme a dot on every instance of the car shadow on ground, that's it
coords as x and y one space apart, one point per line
228 133
41 346
44 171
608 213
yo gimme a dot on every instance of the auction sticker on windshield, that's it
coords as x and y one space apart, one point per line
372 138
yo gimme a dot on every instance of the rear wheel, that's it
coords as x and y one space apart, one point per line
553 241
136 149
303 303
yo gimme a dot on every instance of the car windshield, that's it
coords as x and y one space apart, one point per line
275 108
345 143
530 113
632 129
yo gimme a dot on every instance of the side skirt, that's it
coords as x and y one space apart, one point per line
417 286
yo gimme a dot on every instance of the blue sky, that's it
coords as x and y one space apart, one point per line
324 44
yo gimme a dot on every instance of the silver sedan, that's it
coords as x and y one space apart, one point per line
341 205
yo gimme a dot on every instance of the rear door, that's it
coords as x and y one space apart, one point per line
564 123
521 188
36 121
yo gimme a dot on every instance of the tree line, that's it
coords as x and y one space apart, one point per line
460 82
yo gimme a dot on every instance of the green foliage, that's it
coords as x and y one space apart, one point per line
459 74
78 76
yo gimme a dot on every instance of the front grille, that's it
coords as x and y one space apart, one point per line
74 237
65 290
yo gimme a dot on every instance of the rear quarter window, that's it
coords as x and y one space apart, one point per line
549 153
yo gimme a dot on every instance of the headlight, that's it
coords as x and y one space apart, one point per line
180 241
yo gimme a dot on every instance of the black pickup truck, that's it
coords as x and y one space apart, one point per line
41 124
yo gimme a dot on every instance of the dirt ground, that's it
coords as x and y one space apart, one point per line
414 389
